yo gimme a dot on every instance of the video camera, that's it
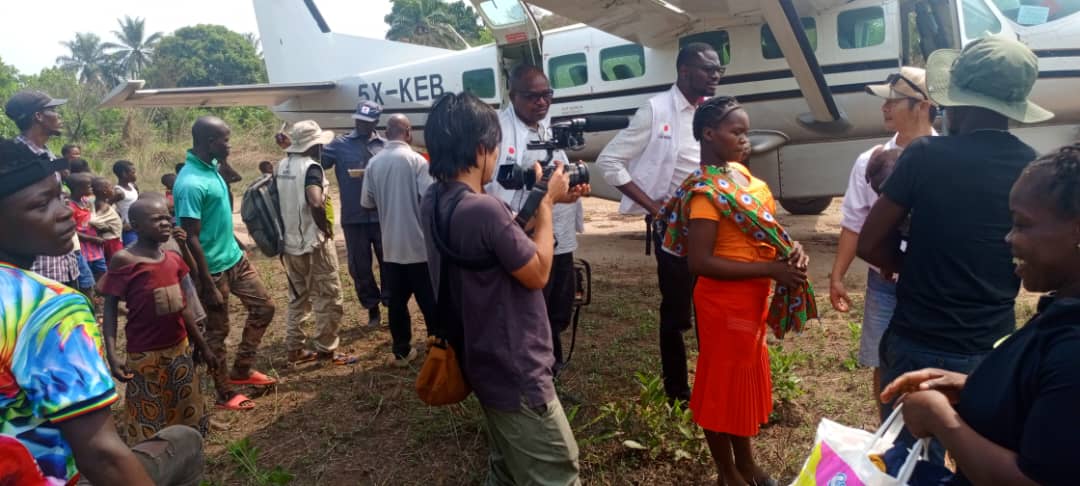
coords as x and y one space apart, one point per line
565 134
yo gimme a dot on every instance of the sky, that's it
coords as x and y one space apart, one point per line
34 43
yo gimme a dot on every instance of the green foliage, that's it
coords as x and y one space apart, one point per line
435 23
246 458
134 51
851 362
88 60
9 84
651 424
786 385
205 55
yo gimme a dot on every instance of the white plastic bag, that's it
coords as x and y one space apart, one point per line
841 455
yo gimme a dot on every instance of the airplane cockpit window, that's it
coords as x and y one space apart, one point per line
770 49
479 82
568 71
719 39
501 14
979 20
860 28
622 62
1034 12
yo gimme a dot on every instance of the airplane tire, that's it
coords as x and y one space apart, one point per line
806 206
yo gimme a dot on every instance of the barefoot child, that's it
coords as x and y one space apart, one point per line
163 386
105 220
723 220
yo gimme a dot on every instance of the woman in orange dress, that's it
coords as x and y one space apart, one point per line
722 220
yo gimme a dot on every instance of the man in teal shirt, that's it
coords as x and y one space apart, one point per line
204 210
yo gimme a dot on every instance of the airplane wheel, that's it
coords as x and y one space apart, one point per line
806 206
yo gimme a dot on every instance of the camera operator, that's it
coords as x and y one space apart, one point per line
488 275
526 120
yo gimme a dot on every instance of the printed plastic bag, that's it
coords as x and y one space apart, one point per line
841 455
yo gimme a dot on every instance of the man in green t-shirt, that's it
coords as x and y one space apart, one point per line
202 203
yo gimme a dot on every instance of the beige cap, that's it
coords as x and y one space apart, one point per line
305 134
910 82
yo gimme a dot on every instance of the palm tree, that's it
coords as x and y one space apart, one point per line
134 51
255 42
425 22
88 60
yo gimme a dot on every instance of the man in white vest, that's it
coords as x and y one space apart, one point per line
310 257
526 120
648 161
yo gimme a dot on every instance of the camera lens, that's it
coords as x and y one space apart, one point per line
578 172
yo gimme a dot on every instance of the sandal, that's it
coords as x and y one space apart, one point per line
237 402
301 356
254 378
340 359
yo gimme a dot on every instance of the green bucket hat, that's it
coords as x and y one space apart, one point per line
995 72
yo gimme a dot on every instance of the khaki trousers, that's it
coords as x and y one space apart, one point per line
314 284
531 446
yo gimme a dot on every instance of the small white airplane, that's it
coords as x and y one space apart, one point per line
799 67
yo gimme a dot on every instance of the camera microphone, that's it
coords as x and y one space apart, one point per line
594 123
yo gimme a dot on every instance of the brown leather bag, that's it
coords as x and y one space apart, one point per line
440 381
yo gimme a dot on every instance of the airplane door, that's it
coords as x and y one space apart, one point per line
517 35
929 25
979 18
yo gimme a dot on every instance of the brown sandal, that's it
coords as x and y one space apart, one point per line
301 356
338 358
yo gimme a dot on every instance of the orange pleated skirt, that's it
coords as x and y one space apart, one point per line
732 386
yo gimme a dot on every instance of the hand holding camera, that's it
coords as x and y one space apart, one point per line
558 186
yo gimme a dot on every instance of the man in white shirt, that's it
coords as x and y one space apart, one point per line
395 180
908 110
526 120
647 162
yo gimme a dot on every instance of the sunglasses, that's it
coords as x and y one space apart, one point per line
896 77
534 96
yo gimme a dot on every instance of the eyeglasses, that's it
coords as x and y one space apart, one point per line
710 68
534 96
895 77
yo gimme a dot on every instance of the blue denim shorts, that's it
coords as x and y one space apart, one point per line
98 266
880 302
86 276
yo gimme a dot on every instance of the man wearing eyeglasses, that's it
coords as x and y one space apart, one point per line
647 162
908 111
525 120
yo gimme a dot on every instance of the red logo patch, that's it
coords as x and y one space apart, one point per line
510 150
667 128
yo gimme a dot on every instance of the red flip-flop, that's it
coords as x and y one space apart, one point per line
237 402
255 378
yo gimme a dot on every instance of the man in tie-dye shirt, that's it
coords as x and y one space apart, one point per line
55 388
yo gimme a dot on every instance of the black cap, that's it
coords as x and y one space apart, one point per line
25 103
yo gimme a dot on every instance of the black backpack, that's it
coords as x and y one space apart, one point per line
260 209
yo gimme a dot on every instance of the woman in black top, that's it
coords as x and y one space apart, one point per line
1016 418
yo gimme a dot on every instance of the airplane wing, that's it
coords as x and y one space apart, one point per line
660 23
131 94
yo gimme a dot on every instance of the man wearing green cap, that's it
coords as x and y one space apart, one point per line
957 288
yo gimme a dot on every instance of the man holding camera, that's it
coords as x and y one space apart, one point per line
526 120
647 162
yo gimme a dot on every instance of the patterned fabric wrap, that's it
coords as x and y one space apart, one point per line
790 308
51 370
165 391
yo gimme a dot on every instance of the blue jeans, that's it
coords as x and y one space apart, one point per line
86 276
878 311
900 355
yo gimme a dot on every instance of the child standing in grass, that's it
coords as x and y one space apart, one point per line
163 386
105 220
723 220
127 194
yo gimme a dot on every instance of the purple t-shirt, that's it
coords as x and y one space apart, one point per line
508 352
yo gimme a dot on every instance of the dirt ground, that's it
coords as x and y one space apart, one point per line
363 424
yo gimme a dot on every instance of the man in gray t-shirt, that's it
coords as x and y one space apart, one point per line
489 277
394 180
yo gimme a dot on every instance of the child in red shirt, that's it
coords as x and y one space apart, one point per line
163 386
106 221
82 208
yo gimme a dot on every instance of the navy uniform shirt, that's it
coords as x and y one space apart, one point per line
350 152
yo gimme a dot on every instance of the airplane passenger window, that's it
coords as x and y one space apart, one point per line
568 70
979 20
479 82
718 39
862 27
622 62
1031 12
770 49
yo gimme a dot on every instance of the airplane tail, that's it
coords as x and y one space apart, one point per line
298 45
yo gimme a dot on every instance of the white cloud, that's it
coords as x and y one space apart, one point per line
30 39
